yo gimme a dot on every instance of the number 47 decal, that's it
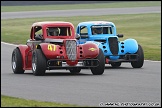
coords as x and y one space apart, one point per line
51 47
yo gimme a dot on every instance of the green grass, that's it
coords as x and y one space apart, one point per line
7 101
145 28
80 6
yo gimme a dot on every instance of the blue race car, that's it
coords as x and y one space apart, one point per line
103 33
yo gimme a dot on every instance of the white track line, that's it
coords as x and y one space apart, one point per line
9 44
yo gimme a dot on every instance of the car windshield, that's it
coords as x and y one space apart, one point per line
101 30
59 31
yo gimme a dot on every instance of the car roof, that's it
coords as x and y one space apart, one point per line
89 23
51 23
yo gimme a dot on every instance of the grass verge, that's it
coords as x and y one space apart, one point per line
7 101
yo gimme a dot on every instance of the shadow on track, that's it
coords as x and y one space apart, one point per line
52 73
82 73
110 67
65 74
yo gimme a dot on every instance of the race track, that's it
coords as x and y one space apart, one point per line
80 12
121 85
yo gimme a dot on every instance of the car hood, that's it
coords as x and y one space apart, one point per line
48 40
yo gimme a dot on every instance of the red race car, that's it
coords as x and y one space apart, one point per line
53 45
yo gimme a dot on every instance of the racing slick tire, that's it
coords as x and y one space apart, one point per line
99 70
75 70
116 64
140 61
38 63
16 62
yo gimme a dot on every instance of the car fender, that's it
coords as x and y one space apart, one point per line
90 50
99 44
24 49
51 51
130 46
94 42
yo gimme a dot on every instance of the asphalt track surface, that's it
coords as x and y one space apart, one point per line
118 86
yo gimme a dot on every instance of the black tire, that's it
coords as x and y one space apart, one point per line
38 63
16 61
99 70
116 64
75 70
140 61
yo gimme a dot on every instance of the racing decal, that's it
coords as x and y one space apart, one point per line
51 47
92 49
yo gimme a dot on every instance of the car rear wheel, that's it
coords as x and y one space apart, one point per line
115 64
38 63
75 70
16 62
99 70
140 61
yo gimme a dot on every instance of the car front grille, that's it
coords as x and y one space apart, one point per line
71 49
113 44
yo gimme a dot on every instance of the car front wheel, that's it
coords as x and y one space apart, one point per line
140 61
99 70
38 63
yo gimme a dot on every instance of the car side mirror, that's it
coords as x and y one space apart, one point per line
120 35
77 36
